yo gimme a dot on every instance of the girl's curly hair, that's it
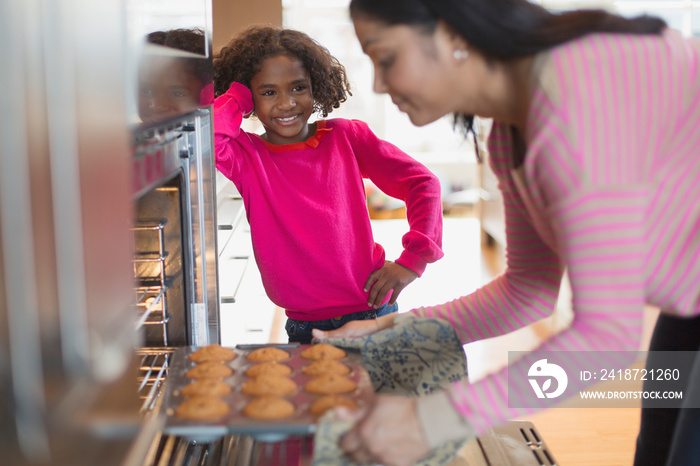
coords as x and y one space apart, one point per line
242 58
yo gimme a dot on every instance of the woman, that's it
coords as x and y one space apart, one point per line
594 142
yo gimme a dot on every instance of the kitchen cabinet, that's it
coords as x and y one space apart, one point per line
490 206
491 212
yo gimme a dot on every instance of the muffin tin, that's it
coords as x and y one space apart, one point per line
302 422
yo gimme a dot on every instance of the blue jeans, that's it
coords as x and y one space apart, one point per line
300 330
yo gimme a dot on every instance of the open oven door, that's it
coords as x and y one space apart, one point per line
67 363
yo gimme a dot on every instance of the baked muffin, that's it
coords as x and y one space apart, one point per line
269 407
326 366
268 354
212 353
330 384
209 370
269 385
268 368
323 351
325 403
202 408
206 387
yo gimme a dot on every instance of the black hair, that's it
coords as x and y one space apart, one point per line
502 29
188 40
243 57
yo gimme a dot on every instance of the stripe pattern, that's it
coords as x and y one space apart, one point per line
609 191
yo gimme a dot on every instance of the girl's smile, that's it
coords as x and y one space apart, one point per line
283 99
288 120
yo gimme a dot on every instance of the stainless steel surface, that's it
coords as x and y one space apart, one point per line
230 451
67 339
174 187
202 202
158 62
20 352
64 194
516 443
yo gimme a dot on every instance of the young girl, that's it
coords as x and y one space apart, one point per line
302 183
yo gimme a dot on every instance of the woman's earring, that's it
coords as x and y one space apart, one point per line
460 54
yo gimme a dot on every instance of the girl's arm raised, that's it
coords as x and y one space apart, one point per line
229 110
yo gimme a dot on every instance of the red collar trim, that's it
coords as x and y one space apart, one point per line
312 142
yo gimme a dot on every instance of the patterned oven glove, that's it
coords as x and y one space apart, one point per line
415 357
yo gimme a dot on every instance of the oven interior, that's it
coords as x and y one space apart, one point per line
160 266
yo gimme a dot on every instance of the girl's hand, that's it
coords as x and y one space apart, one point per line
391 276
356 328
388 431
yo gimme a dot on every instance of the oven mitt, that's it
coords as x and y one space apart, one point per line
415 357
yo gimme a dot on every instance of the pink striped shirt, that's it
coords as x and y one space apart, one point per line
609 190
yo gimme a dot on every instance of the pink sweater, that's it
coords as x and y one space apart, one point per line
306 205
609 190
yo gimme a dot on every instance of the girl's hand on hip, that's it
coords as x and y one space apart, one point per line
391 276
387 431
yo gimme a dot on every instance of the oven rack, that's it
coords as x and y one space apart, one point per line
230 450
151 304
154 364
151 297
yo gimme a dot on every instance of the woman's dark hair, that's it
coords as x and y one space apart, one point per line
243 57
502 29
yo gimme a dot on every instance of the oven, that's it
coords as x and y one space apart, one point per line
67 321
176 227
173 233
172 237
107 226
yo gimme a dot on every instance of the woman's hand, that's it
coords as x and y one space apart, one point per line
387 431
391 276
357 328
